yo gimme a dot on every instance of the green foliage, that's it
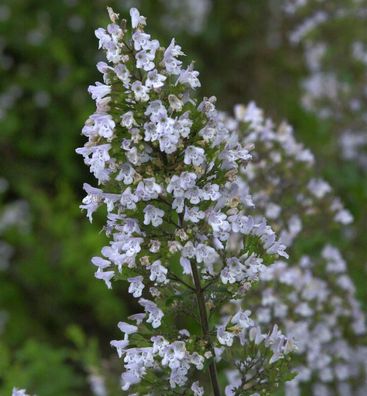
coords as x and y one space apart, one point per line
39 367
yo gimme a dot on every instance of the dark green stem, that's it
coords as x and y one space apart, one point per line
205 327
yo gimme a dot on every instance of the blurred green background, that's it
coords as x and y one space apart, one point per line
56 319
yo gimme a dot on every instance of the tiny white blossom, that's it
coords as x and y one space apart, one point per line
136 286
189 77
172 64
155 80
158 273
140 91
197 389
175 103
106 276
224 337
136 18
99 91
153 215
127 120
128 199
194 156
155 314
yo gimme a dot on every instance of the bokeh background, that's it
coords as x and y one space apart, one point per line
56 319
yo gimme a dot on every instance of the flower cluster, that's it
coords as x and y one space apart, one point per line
335 87
311 296
178 217
282 176
316 305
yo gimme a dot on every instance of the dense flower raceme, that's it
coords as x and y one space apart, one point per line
336 85
312 298
315 303
282 172
179 221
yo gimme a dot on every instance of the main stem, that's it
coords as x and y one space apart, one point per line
205 327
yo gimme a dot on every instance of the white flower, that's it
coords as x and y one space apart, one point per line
128 199
99 124
127 328
144 60
197 360
155 80
130 245
242 318
186 267
319 188
197 389
100 262
173 354
148 189
194 156
127 120
343 217
193 195
193 214
153 215
158 273
103 37
106 276
178 184
159 344
97 384
107 41
120 346
99 91
252 114
172 64
189 77
140 91
155 314
232 272
126 173
223 336
156 111
142 41
136 286
255 335
210 192
205 254
122 73
136 18
97 158
19 392
218 222
92 201
154 246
